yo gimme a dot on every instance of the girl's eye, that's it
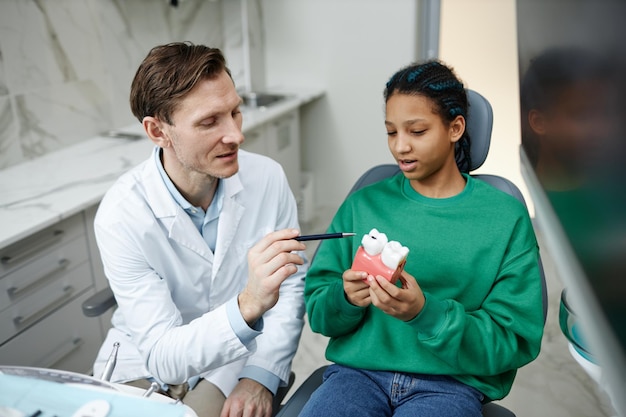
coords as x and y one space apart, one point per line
391 133
418 132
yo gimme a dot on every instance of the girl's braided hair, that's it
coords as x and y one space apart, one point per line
436 81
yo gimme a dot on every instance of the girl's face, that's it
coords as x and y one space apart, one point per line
420 141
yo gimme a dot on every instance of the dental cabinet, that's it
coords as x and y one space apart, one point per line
49 260
44 279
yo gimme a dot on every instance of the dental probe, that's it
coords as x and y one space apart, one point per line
323 236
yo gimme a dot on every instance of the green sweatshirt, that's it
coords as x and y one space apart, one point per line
475 257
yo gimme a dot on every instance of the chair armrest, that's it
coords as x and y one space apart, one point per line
99 303
281 393
495 410
294 405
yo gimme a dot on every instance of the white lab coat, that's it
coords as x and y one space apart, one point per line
170 288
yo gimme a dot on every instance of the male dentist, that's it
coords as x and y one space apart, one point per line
197 245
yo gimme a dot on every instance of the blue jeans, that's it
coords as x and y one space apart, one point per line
360 393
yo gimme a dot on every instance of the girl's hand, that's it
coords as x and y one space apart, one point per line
403 303
356 289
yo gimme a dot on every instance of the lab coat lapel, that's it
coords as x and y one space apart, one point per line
181 228
230 218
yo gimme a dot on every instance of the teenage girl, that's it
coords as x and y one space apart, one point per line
467 310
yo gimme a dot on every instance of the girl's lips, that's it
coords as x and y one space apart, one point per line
407 165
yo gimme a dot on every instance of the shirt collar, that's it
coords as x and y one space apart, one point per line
216 203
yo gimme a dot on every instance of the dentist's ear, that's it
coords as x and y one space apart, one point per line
155 130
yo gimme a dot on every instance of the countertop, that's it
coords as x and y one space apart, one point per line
46 190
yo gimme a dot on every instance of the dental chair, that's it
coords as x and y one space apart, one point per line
479 124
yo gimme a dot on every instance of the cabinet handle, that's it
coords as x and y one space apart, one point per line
61 353
34 247
23 322
15 292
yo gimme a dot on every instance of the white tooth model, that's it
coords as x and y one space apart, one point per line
378 256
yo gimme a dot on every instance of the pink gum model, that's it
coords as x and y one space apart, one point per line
373 265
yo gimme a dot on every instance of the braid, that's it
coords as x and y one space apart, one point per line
436 81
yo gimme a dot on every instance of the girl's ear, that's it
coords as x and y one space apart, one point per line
155 130
457 128
537 122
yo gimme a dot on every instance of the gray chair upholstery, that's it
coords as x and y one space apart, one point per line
478 124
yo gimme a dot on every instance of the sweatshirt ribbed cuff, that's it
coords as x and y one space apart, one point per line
429 322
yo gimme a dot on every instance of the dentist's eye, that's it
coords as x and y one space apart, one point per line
208 123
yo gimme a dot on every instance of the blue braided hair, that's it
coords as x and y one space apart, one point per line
436 81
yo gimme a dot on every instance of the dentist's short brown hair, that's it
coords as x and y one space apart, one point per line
168 73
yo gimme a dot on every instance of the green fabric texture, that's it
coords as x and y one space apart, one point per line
474 255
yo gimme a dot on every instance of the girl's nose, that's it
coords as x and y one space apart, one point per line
402 144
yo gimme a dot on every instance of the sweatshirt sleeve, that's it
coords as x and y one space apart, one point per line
329 311
505 332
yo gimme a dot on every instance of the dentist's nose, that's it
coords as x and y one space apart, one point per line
234 133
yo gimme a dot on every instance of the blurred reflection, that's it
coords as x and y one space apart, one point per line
572 103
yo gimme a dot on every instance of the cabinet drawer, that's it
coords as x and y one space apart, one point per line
65 340
32 277
26 250
22 314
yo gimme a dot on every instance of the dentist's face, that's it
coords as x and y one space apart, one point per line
205 133
418 138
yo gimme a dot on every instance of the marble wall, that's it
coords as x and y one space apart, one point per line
66 65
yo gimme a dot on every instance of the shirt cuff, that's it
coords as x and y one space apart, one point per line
262 376
245 333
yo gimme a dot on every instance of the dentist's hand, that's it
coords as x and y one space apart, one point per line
402 303
356 289
248 399
270 262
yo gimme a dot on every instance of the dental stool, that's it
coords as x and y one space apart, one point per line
478 124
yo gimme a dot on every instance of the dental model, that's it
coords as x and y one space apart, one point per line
378 256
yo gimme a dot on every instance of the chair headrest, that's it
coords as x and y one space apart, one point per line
479 123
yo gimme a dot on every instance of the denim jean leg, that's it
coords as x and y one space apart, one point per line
347 392
432 395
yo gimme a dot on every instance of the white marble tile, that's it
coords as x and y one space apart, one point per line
61 115
46 43
10 150
3 84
